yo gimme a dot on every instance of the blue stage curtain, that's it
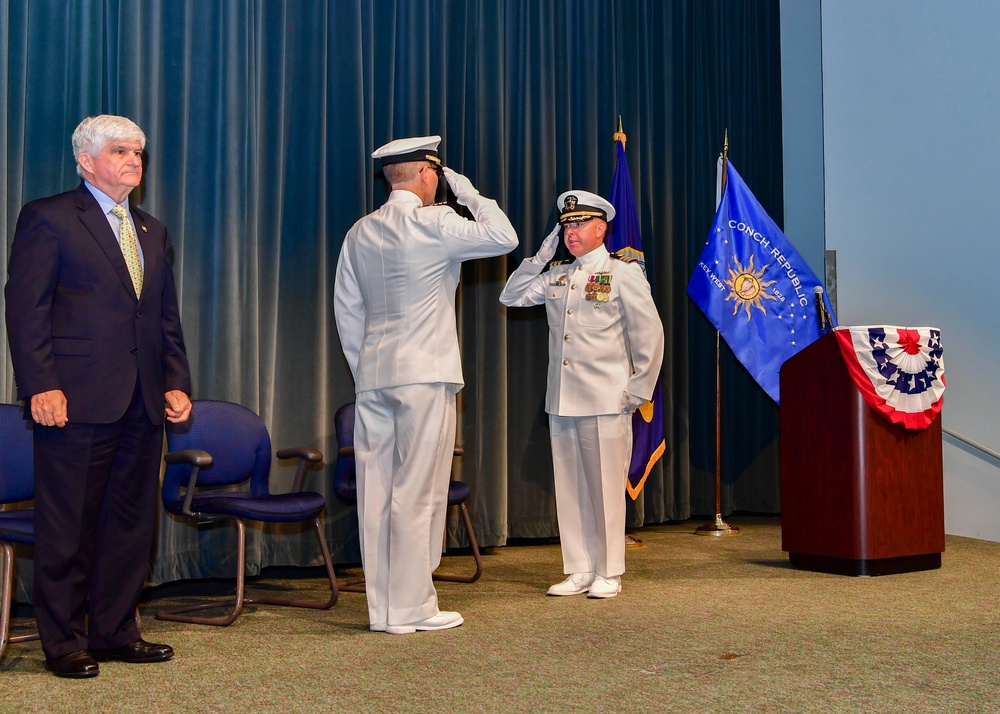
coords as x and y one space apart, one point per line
261 116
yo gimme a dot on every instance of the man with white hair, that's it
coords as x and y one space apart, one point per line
605 351
98 355
395 308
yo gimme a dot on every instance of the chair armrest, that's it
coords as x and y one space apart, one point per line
198 460
300 452
195 457
305 455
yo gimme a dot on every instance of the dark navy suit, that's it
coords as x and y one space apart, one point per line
74 323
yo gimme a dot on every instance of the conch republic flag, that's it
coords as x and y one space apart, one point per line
648 442
754 286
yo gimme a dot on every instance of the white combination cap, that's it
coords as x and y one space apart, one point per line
415 148
578 206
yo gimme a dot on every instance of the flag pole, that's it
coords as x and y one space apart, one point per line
719 527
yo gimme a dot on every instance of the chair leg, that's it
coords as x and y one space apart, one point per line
7 602
176 614
311 604
475 553
357 585
354 585
5 595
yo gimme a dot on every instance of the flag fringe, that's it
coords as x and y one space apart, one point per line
653 458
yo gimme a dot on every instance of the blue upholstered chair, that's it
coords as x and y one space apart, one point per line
17 483
345 489
225 445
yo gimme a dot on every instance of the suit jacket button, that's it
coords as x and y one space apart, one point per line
134 351
138 314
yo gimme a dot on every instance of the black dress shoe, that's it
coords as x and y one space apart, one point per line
134 652
76 665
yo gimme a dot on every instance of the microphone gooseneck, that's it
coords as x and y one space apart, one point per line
820 308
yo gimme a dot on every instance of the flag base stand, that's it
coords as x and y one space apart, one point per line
718 527
631 542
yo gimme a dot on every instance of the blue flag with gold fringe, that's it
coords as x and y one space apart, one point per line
755 288
648 443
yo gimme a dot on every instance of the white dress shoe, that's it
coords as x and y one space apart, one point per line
575 584
605 587
442 621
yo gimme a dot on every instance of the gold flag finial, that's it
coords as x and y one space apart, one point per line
620 135
725 145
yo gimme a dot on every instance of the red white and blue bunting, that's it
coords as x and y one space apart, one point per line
899 370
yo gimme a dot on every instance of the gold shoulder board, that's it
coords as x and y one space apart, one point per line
623 256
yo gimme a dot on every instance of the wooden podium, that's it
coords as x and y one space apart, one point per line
859 494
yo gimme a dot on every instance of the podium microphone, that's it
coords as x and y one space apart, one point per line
820 307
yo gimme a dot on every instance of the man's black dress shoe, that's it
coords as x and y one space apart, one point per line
76 665
134 652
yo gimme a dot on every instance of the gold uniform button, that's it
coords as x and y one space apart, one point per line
573 286
570 311
565 362
566 337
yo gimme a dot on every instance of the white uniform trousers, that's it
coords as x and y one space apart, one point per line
590 460
404 441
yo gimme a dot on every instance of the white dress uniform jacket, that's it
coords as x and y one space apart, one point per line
394 297
605 339
598 348
394 302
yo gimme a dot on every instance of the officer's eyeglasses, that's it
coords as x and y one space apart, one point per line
436 168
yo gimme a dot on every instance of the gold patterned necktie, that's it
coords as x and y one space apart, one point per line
130 247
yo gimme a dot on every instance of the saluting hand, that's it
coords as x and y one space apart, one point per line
460 185
548 247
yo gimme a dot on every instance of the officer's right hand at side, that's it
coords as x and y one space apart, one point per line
49 408
460 185
631 402
548 247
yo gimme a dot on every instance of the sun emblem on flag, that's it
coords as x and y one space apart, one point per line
747 287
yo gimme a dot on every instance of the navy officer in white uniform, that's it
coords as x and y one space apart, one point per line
395 308
605 351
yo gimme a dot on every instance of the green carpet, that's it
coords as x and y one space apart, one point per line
702 624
